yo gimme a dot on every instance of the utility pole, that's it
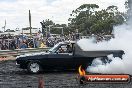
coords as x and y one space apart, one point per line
62 31
30 24
50 27
43 28
4 26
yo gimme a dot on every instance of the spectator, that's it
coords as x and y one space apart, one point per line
23 46
42 45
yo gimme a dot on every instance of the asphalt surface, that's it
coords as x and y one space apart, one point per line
13 77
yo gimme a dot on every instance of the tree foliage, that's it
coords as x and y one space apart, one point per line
89 19
55 28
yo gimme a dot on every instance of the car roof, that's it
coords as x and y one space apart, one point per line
69 42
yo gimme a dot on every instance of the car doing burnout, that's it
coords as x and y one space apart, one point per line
64 55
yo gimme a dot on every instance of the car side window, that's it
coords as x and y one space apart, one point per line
64 49
69 49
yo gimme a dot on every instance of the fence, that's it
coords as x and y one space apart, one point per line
17 52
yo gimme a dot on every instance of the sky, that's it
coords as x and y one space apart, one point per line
15 12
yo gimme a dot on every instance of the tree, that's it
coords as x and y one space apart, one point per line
54 28
90 20
82 17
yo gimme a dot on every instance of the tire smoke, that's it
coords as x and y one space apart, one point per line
122 41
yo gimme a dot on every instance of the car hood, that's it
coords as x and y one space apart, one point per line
32 54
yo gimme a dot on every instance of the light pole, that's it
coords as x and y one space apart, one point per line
50 27
30 24
48 31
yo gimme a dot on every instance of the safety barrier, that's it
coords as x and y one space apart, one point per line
16 52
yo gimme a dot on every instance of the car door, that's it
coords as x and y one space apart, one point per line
60 59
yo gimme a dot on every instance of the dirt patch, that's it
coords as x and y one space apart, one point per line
4 58
13 77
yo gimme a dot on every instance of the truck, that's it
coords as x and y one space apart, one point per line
63 56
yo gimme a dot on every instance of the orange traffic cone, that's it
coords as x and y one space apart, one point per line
41 82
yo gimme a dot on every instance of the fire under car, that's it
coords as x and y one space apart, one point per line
63 56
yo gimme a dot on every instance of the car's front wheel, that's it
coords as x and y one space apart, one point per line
33 67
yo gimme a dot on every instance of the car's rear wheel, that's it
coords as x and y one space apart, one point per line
33 67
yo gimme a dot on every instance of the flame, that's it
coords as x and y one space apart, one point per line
81 71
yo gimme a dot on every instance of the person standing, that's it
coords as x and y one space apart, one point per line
24 45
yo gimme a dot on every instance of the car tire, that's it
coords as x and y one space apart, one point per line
33 67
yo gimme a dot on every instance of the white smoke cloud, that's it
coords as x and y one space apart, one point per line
122 41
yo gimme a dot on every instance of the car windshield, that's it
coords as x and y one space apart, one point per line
53 49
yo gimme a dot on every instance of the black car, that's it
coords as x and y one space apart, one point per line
64 55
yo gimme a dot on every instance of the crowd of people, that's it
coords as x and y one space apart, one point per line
9 42
22 41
